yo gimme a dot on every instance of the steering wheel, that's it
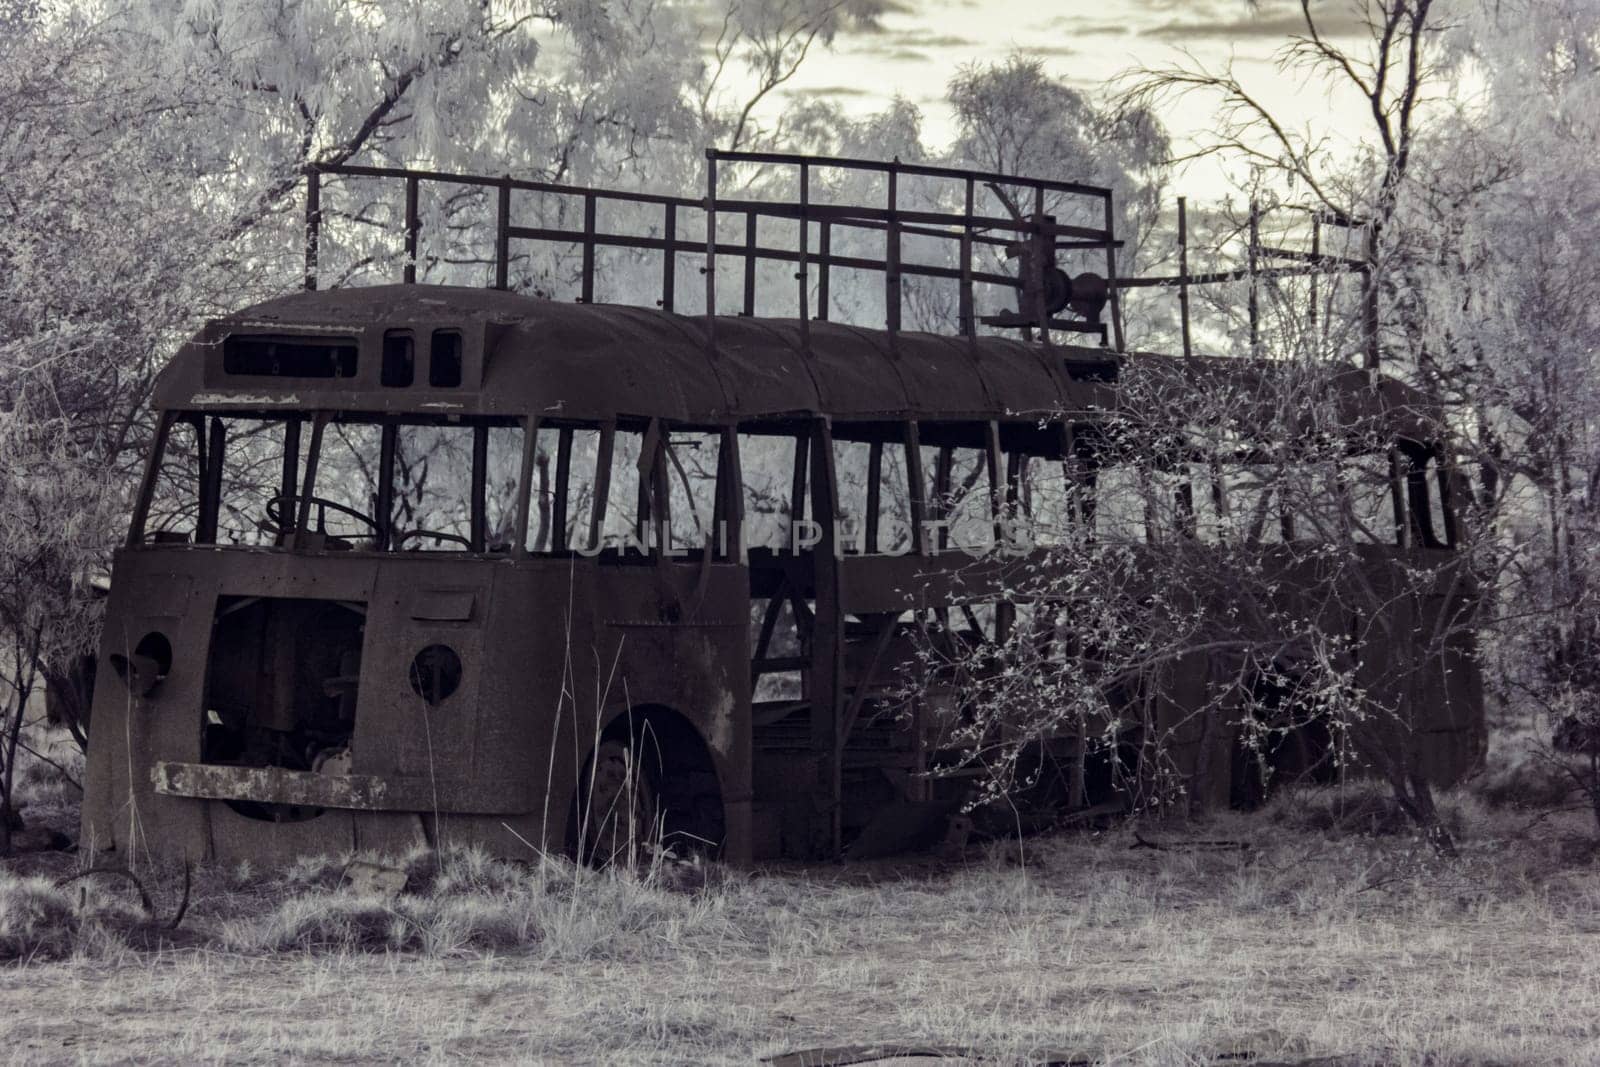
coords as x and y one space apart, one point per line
439 537
277 524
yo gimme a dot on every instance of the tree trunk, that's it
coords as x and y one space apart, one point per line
1415 796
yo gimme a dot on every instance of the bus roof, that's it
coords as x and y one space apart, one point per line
526 356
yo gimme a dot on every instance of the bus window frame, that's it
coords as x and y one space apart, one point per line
877 435
299 483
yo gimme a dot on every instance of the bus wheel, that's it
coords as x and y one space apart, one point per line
618 808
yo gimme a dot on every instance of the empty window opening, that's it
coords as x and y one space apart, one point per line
433 488
344 501
290 357
767 467
693 460
174 515
263 461
1122 498
959 497
399 359
565 484
1365 490
444 360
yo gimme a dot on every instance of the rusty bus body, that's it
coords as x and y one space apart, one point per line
297 672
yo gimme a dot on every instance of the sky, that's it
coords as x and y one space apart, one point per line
1086 43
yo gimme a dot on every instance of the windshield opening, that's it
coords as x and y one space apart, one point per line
351 482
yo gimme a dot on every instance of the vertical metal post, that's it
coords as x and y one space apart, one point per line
558 511
1316 261
147 482
826 684
750 218
385 509
1252 255
941 492
824 250
291 458
313 224
1369 296
1111 273
207 534
797 484
869 545
530 448
588 249
502 236
917 484
995 461
711 251
409 275
804 291
202 456
1042 243
480 488
1447 504
1397 499
669 259
602 485
891 265
965 318
309 483
730 480
1183 273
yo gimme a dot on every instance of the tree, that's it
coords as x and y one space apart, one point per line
1214 606
1401 70
1511 295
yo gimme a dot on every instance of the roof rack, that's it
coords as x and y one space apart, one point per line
943 212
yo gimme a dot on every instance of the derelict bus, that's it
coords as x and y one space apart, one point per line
417 562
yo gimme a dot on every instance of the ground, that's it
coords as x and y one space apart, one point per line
1319 928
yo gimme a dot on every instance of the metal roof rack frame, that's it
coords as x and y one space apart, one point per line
1032 238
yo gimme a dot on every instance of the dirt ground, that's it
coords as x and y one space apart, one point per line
1298 938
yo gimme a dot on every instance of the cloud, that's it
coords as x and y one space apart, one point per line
1213 8
835 91
935 40
1339 22
914 39
1077 26
1214 20
1048 51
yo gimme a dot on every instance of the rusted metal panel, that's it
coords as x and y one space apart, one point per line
365 792
442 605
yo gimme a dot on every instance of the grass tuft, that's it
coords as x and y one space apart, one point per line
1522 771
337 922
465 900
1366 809
37 920
40 920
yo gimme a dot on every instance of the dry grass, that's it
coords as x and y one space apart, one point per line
1328 935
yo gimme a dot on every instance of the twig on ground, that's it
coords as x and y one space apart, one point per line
144 897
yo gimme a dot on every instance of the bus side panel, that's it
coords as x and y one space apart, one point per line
673 636
129 730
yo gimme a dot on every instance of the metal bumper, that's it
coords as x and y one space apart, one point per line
361 792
